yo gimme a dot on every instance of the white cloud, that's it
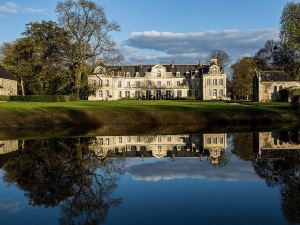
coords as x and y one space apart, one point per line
12 8
154 46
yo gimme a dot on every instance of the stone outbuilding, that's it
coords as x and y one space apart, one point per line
8 83
268 85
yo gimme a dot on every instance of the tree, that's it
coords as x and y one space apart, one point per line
18 58
290 38
90 30
222 56
243 71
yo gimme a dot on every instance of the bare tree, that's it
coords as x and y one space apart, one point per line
222 56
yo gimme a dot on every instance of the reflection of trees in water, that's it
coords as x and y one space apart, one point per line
286 174
68 174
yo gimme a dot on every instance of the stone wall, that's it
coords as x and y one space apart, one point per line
8 87
269 91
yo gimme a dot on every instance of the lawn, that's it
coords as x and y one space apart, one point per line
134 114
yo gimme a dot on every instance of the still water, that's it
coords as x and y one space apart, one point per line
212 178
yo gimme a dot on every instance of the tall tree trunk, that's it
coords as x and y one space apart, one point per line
22 86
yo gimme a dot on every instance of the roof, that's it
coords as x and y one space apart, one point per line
143 69
275 76
6 75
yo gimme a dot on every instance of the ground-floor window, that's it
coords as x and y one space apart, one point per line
107 94
189 93
120 94
158 94
196 93
221 93
215 92
138 94
179 93
169 94
100 94
148 94
127 94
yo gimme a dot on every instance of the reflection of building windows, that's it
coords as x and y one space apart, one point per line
159 138
120 139
159 148
101 141
208 140
149 139
128 139
107 141
138 139
221 140
215 140
169 139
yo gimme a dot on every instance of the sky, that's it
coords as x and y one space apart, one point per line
161 31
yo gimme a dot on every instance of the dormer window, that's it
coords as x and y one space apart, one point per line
127 74
187 74
137 74
158 74
178 74
119 73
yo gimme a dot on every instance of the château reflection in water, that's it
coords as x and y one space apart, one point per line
81 175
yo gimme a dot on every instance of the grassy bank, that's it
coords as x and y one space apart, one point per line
139 115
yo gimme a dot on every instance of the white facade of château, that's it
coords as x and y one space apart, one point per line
205 82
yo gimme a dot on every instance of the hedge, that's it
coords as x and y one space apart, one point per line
40 98
4 98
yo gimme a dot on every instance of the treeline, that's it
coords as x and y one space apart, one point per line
55 58
283 54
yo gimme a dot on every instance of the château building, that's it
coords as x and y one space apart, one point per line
8 83
205 81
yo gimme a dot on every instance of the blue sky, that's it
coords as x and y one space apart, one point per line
158 31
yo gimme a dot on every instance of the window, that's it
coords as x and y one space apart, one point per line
120 140
159 138
158 94
178 74
275 89
159 148
208 82
280 88
178 83
137 84
107 83
100 83
127 94
120 94
149 139
137 74
221 140
148 84
221 93
138 139
189 93
221 82
128 84
215 92
159 84
215 140
137 94
196 93
128 139
107 141
119 83
215 81
208 140
158 74
208 92
101 141
179 93
100 94
169 139
107 93
168 83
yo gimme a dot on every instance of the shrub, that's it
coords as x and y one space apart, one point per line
4 98
43 98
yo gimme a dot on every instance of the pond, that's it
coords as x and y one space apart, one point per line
152 179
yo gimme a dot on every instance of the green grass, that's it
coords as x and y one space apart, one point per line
131 114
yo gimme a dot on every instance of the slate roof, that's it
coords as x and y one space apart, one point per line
142 69
275 76
6 75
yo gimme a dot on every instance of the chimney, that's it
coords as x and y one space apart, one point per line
214 61
172 64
